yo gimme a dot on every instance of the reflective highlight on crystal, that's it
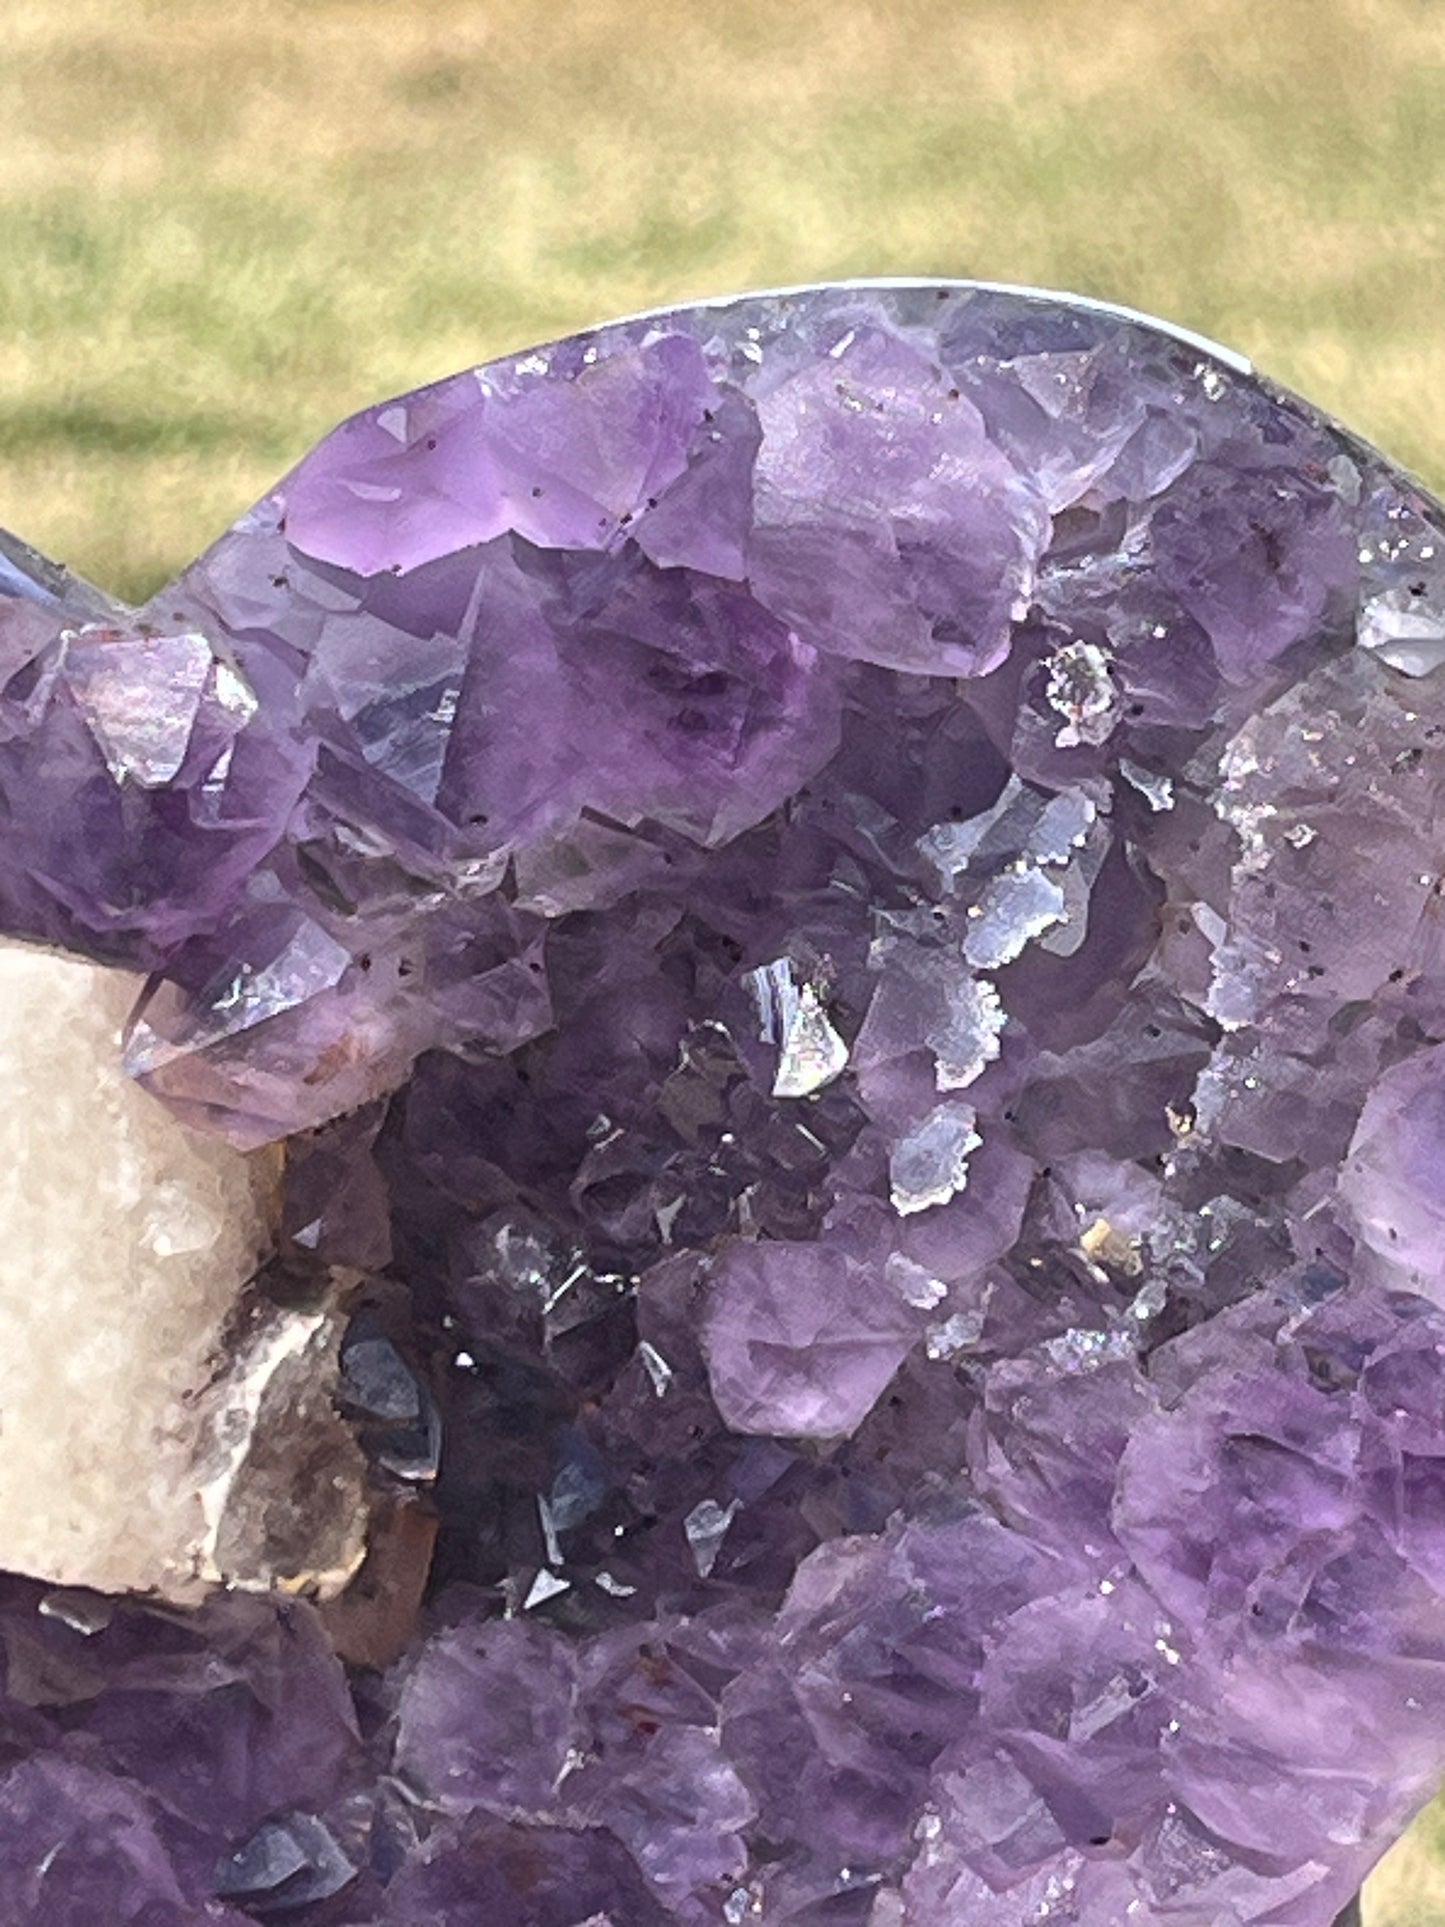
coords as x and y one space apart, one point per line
837 900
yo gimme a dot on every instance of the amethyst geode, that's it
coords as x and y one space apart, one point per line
840 896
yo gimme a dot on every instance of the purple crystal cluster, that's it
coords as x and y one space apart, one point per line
839 900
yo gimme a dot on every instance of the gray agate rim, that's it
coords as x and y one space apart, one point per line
922 283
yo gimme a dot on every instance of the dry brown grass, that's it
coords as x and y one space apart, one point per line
223 226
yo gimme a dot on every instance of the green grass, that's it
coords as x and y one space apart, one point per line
223 226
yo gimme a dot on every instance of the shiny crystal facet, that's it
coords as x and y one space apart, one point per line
837 899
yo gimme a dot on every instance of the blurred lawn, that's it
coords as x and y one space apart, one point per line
225 226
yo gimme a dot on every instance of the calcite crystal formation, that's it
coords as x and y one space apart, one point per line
836 901
157 1414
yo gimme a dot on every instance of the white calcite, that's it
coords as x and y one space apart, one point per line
161 1427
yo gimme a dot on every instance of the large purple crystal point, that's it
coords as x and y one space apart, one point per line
842 890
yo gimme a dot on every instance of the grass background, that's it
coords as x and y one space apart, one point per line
223 226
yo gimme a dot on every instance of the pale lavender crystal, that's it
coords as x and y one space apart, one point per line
838 896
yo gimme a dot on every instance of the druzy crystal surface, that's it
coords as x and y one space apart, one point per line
837 899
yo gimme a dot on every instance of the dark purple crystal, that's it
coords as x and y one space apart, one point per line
838 897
